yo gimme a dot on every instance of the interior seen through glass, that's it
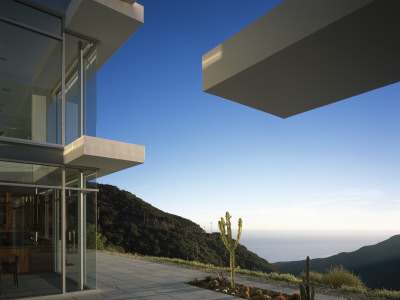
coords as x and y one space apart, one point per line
30 229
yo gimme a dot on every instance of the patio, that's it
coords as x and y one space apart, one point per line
125 278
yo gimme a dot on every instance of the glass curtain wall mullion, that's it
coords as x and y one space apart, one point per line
30 28
30 185
81 189
81 91
81 225
63 68
63 237
43 9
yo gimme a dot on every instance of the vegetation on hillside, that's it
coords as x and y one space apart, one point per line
378 265
129 222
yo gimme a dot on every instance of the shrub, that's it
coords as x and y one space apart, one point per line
112 248
314 277
386 294
339 276
94 238
355 289
296 296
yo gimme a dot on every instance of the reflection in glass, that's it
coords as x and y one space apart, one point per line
28 231
91 94
29 108
32 17
80 91
91 238
72 238
73 178
12 172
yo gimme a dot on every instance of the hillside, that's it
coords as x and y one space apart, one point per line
128 221
377 265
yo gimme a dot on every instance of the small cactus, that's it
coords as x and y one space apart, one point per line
245 292
306 291
229 243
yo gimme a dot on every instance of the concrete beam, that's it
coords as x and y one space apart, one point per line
306 54
105 155
110 22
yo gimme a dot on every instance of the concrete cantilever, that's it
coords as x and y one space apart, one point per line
306 54
125 17
105 155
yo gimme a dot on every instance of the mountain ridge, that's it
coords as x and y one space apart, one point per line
378 265
138 227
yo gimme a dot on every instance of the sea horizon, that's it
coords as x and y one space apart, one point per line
279 246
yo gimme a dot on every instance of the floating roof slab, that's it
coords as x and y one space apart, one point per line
111 23
306 54
105 155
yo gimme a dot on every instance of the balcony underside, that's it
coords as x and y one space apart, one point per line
87 152
105 155
306 54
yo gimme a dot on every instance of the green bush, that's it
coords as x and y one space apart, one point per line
314 277
94 238
112 248
355 289
339 276
386 294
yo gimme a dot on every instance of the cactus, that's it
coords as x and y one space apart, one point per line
229 243
306 291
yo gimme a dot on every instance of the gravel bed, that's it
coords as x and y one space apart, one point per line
318 290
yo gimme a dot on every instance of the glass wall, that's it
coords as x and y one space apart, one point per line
29 108
26 15
31 96
81 228
32 105
31 228
80 91
28 236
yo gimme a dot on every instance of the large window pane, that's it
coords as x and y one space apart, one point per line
81 88
29 234
91 94
12 172
30 16
72 239
91 239
30 74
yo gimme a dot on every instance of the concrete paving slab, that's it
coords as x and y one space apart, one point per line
124 278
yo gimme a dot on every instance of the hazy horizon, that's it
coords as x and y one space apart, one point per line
276 246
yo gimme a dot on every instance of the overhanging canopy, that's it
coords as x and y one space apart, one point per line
306 54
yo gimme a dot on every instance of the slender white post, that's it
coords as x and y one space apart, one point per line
80 235
63 230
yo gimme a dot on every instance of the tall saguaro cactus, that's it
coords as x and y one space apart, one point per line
229 243
307 291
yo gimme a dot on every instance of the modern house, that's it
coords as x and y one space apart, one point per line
302 55
50 157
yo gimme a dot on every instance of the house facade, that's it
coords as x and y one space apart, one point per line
50 157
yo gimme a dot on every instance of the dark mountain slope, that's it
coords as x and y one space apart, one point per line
378 265
128 221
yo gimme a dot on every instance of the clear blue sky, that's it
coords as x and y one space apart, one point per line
333 168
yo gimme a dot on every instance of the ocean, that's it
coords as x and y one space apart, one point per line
277 246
